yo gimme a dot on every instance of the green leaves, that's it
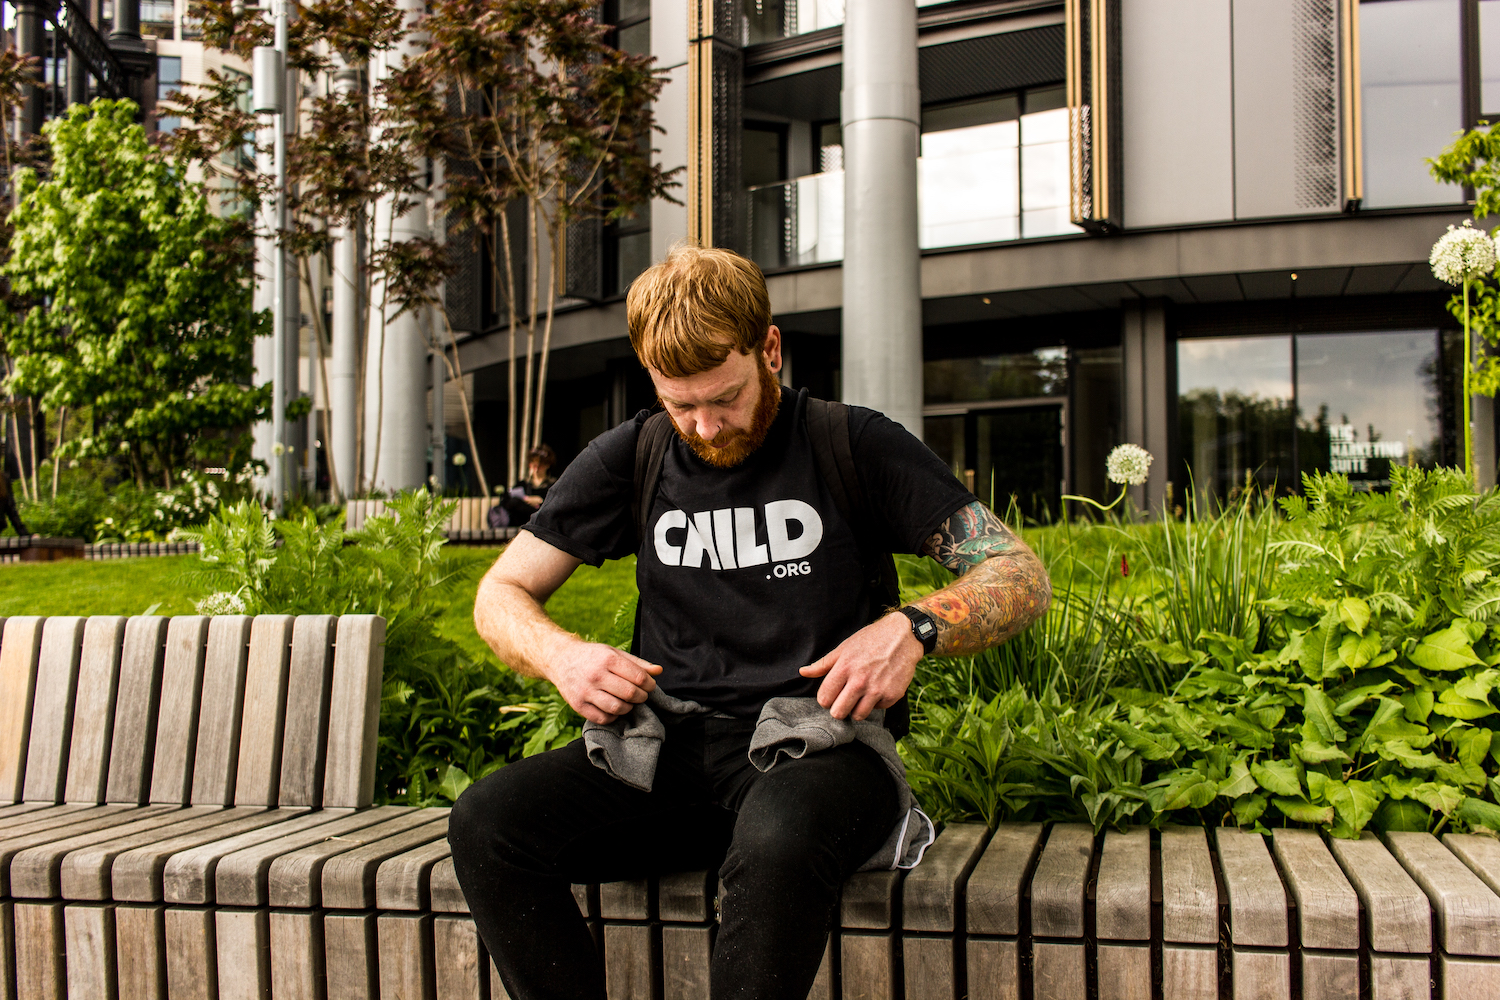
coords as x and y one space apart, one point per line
1445 650
1277 777
133 299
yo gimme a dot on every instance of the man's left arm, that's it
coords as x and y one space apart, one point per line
1001 589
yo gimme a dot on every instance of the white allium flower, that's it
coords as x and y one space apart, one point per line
460 459
222 603
278 449
1128 465
1462 252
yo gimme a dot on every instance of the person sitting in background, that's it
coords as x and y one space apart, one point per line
517 506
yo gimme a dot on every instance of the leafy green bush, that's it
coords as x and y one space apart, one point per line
86 507
445 717
1361 693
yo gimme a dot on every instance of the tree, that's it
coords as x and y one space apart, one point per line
527 102
135 300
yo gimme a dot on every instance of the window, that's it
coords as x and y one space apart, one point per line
994 169
1411 96
627 242
768 20
1264 410
158 18
168 80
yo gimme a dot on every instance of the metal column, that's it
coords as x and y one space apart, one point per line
882 318
396 363
343 377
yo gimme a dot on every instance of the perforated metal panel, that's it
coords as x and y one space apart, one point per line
728 126
1315 105
583 260
1286 108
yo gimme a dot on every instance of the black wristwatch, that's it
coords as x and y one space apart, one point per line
922 627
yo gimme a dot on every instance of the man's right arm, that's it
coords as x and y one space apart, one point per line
599 681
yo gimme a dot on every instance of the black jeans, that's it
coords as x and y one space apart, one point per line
783 841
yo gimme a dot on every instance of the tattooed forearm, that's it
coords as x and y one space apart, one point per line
1002 586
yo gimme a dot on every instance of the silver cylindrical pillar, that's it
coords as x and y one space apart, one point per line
263 434
396 362
343 369
882 320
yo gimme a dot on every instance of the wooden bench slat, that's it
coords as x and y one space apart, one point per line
1398 917
1329 975
1125 971
94 709
627 899
1262 975
401 882
188 940
44 817
686 957
19 653
89 939
189 874
177 714
1257 901
1468 913
1122 898
681 897
133 740
1059 970
309 687
295 878
14 809
928 967
1189 893
447 895
869 900
140 944
406 968
243 878
35 873
1189 972
242 954
348 879
220 710
263 715
298 969
138 872
1327 908
1481 854
993 903
41 956
354 712
103 825
52 710
456 958
932 892
350 948
1057 887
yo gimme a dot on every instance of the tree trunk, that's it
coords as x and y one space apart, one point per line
62 421
321 360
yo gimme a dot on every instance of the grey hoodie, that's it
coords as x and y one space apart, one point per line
628 749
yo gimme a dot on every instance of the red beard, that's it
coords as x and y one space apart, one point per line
731 447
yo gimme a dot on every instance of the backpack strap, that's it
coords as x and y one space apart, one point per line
650 449
833 451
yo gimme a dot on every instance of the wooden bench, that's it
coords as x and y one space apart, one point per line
1034 911
185 812
468 525
135 754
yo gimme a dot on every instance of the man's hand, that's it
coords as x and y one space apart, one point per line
601 682
871 669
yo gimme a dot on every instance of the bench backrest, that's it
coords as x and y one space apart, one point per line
229 710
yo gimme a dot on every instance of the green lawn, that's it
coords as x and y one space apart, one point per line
585 604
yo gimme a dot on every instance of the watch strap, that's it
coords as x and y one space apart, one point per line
923 628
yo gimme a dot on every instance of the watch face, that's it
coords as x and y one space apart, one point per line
924 629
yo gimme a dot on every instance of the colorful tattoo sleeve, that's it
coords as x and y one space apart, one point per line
1002 586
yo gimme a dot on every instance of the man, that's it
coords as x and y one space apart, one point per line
752 591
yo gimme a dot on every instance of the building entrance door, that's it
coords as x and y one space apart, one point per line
1006 448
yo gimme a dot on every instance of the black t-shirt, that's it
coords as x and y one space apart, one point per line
750 573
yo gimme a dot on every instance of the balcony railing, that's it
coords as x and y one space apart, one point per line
768 20
983 184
